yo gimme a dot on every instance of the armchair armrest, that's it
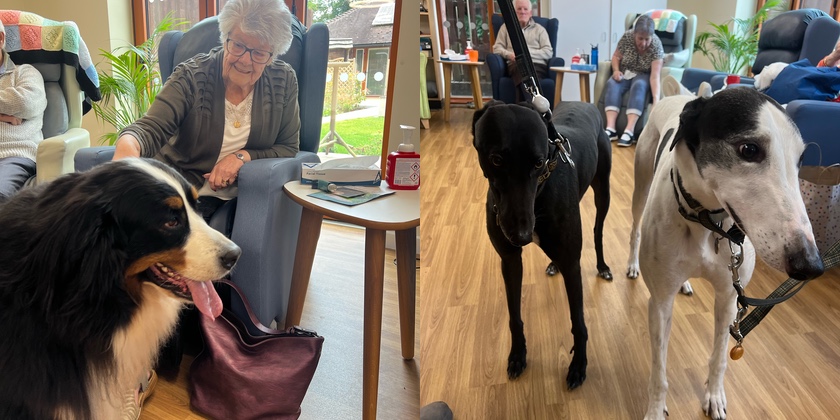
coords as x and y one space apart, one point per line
266 228
692 77
601 77
819 123
556 62
89 157
55 154
497 70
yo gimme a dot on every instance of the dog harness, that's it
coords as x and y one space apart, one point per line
712 220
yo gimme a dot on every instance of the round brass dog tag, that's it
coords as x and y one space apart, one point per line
736 352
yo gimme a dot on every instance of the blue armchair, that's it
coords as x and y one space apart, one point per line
266 221
789 37
503 87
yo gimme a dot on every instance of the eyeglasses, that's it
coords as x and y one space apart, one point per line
239 49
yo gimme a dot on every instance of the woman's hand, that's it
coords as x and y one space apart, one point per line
127 146
833 58
11 119
617 76
225 172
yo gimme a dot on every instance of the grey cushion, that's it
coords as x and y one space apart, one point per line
56 117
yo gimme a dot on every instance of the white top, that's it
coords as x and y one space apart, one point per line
234 140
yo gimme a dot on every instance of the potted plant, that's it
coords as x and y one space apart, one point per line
732 46
134 81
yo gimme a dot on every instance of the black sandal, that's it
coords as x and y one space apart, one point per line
627 139
611 134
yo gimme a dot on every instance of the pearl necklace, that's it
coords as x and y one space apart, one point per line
239 113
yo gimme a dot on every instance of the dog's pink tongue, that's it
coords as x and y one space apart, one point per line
205 298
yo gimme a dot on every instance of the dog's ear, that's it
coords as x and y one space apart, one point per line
689 125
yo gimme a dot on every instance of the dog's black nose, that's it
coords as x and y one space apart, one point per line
805 264
229 258
521 238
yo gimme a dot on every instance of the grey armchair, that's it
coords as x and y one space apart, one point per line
266 221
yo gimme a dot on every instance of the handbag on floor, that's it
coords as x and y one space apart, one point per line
240 375
820 187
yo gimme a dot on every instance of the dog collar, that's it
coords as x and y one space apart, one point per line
710 219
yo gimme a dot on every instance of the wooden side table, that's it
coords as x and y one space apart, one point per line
583 77
475 82
399 212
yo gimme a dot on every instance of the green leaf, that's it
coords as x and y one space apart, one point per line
134 81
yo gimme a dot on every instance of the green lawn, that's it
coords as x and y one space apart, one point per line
364 135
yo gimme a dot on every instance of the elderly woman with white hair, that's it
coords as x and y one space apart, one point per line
220 110
22 104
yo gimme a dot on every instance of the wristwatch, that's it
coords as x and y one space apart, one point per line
240 156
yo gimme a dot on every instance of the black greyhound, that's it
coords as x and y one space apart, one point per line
534 196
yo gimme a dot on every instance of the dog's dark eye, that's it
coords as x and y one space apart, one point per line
748 151
496 160
540 163
172 223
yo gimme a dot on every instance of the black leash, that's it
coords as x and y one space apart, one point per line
785 291
529 79
744 323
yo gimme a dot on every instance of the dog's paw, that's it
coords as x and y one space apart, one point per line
551 269
657 413
516 364
575 377
686 288
714 404
577 371
605 273
632 271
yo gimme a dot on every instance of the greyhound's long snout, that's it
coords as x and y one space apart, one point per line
804 262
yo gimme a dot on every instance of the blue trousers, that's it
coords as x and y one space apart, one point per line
14 172
638 87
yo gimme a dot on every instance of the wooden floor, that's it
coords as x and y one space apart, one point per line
333 309
789 371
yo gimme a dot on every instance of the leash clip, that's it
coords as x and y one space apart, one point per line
736 258
565 152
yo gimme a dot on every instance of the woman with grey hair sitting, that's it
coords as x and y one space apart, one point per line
223 109
22 104
635 64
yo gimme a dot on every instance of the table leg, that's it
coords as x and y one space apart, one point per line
584 87
558 86
407 287
310 230
447 85
476 87
374 283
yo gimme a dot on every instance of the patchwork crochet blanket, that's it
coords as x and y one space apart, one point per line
34 39
665 20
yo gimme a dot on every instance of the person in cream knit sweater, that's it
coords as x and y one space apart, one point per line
22 105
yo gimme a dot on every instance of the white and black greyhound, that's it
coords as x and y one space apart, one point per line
734 156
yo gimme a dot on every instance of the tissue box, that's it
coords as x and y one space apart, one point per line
585 67
348 171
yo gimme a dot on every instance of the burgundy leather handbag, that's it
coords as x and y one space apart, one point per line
241 376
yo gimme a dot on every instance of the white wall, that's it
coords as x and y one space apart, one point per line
103 24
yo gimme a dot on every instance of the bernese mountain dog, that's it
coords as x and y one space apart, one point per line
94 268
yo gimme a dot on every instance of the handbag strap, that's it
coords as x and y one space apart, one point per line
254 320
